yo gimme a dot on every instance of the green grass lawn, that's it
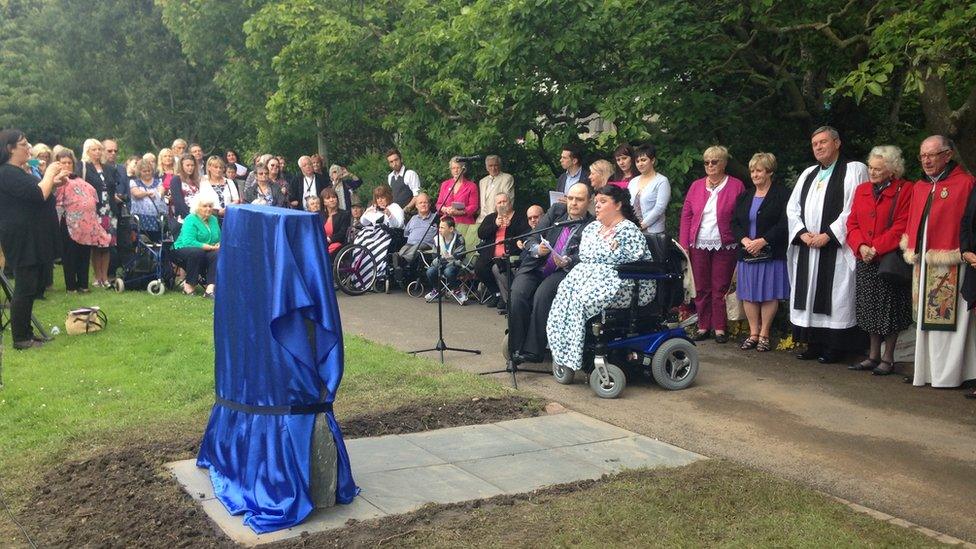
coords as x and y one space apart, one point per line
150 374
710 503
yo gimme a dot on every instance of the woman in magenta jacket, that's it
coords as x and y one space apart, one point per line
465 194
706 232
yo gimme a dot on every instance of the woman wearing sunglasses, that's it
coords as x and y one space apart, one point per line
706 232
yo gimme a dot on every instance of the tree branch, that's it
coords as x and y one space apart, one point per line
430 99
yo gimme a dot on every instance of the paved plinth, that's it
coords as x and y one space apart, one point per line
401 473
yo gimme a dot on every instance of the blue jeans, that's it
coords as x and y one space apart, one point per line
450 272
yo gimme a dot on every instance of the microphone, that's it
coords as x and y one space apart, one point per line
568 222
468 158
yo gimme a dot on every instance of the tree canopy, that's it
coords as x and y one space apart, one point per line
516 77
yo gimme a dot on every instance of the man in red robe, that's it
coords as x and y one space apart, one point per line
945 339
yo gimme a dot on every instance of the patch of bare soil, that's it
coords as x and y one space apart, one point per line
124 498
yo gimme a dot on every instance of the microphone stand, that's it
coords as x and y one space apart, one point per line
441 346
510 366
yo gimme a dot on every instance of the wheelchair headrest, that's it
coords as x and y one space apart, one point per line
660 246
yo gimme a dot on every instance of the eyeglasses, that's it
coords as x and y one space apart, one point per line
932 156
711 162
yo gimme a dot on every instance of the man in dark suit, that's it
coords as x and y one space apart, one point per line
306 184
548 256
571 159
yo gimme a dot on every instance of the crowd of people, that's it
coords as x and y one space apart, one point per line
856 252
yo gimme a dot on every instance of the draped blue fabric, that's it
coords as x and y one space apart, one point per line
274 299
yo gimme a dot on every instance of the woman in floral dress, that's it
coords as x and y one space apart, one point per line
594 285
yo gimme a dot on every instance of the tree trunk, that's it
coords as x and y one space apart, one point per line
322 144
941 120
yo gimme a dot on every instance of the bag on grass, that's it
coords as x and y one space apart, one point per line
85 321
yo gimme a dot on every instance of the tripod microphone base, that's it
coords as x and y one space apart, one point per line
441 347
512 368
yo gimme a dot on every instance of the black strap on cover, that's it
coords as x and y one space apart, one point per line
285 410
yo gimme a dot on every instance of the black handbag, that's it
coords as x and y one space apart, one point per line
892 268
765 254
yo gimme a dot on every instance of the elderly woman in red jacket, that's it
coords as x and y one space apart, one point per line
879 214
706 232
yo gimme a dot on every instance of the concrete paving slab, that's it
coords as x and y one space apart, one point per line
401 473
387 453
406 490
472 442
631 453
194 480
566 429
533 470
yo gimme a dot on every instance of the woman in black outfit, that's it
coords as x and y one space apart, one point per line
334 220
503 223
759 226
29 229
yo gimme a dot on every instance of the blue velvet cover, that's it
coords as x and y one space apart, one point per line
272 276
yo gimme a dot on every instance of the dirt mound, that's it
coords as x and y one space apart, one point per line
124 498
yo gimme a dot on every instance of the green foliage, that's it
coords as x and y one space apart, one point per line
519 78
108 69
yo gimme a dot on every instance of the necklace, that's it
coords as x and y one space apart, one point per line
608 232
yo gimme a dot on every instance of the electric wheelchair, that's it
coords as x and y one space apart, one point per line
639 339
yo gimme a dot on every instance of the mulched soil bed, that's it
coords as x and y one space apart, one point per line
124 498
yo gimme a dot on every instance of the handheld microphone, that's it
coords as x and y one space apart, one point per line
468 158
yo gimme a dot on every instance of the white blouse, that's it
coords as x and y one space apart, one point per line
709 237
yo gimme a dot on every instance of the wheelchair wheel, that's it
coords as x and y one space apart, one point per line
415 289
505 352
354 269
563 374
118 285
610 387
156 287
675 364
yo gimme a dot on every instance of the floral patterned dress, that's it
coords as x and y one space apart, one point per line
76 201
593 285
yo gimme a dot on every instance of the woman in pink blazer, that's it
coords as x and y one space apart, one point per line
706 232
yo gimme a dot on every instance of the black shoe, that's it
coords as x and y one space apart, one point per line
721 338
827 358
503 311
701 335
809 354
29 344
41 339
883 368
971 395
501 304
523 357
492 301
868 364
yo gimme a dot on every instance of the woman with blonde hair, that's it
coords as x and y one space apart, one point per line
759 226
42 153
706 232
225 191
167 167
107 206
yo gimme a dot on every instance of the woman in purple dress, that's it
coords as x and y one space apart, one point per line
759 225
